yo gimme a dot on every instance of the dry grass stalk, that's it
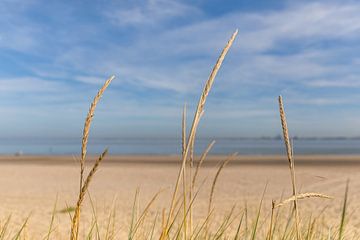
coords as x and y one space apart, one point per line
191 207
87 125
184 172
270 233
193 180
76 217
142 217
191 202
201 160
191 164
343 212
199 230
291 164
222 165
199 110
183 133
84 185
302 196
163 218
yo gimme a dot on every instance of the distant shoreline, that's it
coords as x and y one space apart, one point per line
310 160
173 146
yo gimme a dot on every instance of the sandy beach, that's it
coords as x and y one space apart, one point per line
30 186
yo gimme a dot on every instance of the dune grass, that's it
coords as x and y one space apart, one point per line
176 221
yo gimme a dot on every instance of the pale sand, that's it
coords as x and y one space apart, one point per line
30 184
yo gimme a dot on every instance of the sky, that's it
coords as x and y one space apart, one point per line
55 55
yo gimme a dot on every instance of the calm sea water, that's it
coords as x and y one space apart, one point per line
172 146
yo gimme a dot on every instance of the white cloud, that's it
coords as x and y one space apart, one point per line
344 82
90 79
149 12
16 31
29 85
263 31
240 113
322 101
180 58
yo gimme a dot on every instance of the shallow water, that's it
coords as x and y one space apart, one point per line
156 146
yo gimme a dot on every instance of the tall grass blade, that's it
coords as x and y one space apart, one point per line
237 234
222 165
47 237
184 172
17 235
143 215
253 235
198 113
87 125
76 217
343 213
5 228
289 152
201 160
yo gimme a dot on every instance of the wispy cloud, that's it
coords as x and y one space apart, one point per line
322 101
163 50
148 12
342 82
276 46
29 85
17 31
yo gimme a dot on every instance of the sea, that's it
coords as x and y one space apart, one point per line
172 146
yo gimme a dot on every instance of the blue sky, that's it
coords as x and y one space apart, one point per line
54 56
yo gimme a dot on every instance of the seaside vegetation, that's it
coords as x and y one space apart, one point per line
281 221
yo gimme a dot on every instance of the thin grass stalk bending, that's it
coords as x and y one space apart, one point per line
237 234
183 132
289 152
4 227
184 172
133 212
87 126
270 233
20 231
94 214
141 219
222 165
191 164
47 237
303 196
253 234
76 217
191 203
201 160
199 110
201 227
343 213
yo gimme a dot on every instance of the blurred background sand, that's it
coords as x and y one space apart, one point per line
30 185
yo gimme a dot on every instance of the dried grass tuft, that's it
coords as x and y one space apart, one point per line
302 196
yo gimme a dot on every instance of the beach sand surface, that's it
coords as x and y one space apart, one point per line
32 185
